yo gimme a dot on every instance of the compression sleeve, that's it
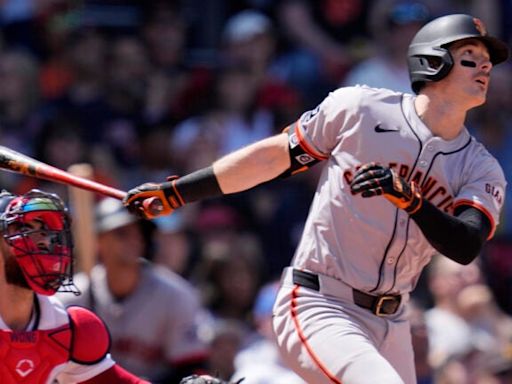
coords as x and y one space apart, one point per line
459 237
115 374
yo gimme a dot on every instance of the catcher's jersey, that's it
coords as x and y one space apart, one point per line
369 243
153 328
39 355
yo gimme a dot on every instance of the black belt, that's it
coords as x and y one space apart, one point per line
379 305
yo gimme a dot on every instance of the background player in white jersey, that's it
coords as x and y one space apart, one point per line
153 314
402 180
40 341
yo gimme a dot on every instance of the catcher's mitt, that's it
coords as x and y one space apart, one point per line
205 379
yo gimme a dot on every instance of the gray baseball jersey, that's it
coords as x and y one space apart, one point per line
155 327
369 244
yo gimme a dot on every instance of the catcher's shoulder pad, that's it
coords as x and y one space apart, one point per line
91 339
205 379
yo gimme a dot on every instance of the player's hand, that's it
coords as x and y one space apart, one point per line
150 200
373 179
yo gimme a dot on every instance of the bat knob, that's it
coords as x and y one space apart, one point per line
152 206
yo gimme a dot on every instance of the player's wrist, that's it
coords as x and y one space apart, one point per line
195 186
171 193
416 200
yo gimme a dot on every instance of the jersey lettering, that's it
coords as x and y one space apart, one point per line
494 192
29 357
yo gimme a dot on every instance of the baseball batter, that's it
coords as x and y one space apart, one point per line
402 180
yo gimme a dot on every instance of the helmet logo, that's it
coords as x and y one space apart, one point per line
480 27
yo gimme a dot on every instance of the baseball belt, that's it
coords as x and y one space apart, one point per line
379 305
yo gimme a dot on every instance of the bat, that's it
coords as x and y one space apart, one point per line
17 162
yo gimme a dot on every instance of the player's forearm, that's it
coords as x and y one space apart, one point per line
238 171
459 238
253 165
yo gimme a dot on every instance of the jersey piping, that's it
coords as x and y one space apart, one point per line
385 255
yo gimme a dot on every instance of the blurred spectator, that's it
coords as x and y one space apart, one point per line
497 269
233 120
259 362
393 24
420 343
321 40
60 144
491 329
172 247
153 314
20 117
128 70
249 38
224 337
448 332
229 275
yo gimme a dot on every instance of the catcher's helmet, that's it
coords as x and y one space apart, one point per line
429 58
43 251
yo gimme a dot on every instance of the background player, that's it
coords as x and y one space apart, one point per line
41 342
340 313
149 337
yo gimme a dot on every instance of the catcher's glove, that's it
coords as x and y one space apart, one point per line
373 179
205 379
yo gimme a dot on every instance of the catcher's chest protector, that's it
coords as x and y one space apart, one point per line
29 357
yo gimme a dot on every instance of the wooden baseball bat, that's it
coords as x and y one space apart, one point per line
17 162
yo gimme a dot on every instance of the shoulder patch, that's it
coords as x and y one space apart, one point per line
91 339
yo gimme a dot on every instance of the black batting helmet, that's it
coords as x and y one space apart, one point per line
429 58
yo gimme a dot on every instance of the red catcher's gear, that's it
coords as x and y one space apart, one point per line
28 357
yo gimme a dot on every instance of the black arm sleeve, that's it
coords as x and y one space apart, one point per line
459 237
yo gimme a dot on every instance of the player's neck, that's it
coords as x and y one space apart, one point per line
440 116
16 306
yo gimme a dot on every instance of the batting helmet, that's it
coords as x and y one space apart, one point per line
43 252
429 58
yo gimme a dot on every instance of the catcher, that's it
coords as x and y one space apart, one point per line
41 341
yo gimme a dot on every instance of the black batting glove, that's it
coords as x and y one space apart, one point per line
151 200
373 179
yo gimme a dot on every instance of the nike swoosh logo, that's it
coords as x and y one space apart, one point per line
379 129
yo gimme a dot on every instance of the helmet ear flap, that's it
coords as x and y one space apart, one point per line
431 65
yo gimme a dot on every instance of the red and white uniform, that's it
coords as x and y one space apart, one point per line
62 347
369 244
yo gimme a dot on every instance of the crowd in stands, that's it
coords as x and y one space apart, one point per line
145 90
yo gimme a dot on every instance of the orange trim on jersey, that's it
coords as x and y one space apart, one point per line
481 208
178 195
306 147
304 340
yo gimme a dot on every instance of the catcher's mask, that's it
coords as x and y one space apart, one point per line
36 226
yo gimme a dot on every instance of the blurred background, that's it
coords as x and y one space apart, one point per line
144 90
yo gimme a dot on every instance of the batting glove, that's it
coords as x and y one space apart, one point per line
205 379
150 200
373 179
